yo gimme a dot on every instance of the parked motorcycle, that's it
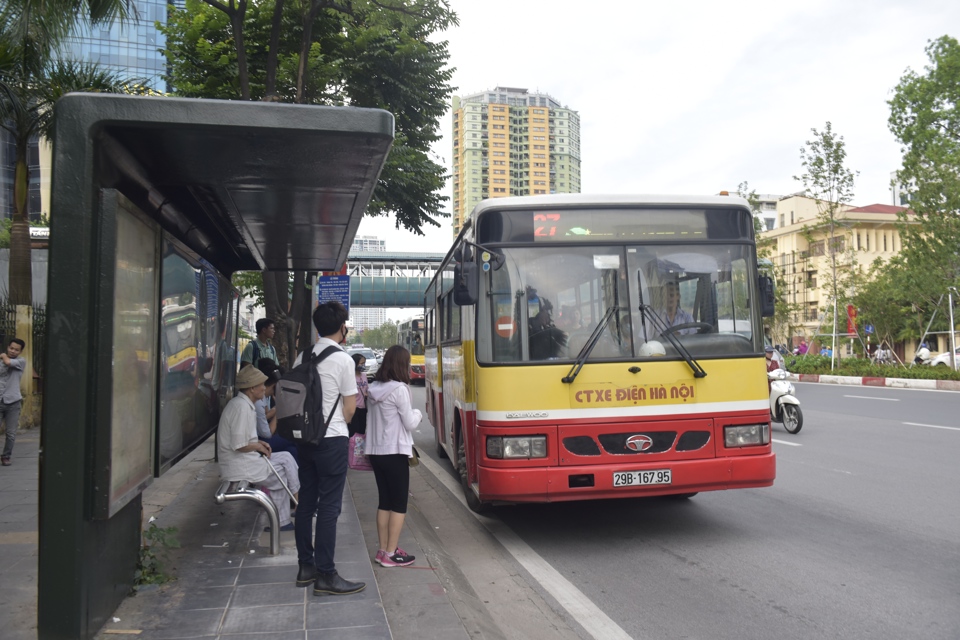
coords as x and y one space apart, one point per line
784 406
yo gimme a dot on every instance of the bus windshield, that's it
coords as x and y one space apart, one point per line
545 302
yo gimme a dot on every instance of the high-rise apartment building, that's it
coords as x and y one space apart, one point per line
368 243
510 142
368 317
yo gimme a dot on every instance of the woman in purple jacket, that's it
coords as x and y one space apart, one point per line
391 420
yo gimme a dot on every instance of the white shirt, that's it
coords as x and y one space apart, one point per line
237 429
338 378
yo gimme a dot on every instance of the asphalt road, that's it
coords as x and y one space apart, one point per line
858 538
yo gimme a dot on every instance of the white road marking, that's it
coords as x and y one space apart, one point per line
788 443
932 426
579 606
874 398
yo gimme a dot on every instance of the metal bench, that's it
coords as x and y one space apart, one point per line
241 490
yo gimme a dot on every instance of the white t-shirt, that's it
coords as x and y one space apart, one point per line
238 428
338 378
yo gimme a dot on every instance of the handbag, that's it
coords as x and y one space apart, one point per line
414 458
356 459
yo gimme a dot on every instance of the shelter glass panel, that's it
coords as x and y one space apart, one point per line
198 358
133 401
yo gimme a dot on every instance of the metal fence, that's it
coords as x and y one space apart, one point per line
39 337
8 321
8 329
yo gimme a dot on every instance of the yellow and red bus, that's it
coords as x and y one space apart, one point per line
410 336
583 347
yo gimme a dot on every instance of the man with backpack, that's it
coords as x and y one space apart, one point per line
323 466
260 347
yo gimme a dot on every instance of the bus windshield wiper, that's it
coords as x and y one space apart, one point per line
588 347
660 326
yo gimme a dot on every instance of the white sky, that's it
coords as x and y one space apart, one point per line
695 97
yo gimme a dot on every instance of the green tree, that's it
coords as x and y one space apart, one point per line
365 53
882 302
382 337
925 118
829 182
31 80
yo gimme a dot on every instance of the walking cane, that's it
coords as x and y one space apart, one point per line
276 473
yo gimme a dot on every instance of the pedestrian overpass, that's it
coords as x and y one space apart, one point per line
389 279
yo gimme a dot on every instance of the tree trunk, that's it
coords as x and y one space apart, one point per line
21 267
305 339
295 315
270 94
275 299
312 9
236 22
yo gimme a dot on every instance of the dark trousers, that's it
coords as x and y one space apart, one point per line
323 474
10 415
393 481
279 443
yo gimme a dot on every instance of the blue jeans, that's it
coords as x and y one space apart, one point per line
323 475
10 415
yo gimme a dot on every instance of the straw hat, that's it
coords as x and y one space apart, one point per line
249 377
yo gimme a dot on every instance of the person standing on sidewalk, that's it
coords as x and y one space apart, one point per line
323 467
391 420
359 422
261 346
11 368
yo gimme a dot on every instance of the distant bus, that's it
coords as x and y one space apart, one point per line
410 336
584 347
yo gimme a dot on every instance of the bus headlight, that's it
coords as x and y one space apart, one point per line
746 435
502 447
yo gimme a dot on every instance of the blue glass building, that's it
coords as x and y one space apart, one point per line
133 49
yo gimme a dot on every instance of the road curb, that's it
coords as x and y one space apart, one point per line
896 383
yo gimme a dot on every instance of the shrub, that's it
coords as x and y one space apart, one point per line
861 367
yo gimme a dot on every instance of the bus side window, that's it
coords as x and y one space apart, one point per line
449 329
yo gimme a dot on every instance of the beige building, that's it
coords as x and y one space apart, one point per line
802 256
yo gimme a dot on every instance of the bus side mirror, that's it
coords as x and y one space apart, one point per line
767 298
466 283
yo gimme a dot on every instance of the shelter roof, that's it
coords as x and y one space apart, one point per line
247 185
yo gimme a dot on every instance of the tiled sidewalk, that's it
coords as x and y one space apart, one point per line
228 586
19 540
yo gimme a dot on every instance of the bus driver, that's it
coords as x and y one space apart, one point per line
671 313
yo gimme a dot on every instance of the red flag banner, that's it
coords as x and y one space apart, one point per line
851 319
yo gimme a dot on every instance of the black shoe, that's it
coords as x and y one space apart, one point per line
332 584
306 575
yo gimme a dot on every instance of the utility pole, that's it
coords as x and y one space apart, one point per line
953 333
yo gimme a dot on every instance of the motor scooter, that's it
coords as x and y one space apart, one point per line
784 406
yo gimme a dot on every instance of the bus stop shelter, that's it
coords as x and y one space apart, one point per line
155 203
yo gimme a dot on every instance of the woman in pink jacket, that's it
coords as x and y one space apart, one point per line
391 420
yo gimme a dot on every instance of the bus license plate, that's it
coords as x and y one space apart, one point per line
640 478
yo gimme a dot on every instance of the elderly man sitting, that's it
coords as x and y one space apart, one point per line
242 454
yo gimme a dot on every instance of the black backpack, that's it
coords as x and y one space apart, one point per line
299 398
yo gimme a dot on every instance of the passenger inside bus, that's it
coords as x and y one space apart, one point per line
546 340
